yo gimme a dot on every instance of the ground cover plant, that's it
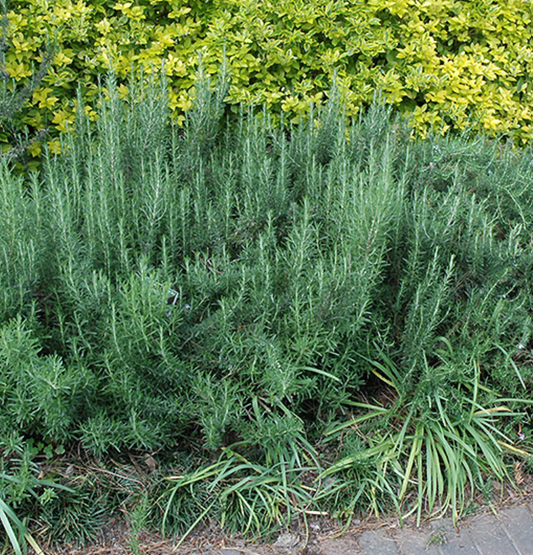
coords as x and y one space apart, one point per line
292 319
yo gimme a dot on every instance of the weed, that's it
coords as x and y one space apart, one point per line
437 538
19 486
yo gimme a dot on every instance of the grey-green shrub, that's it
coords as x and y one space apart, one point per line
160 284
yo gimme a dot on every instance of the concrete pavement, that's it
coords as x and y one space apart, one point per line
509 532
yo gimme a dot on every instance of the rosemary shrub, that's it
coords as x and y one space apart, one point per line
231 290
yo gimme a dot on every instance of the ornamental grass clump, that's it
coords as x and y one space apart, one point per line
432 451
320 318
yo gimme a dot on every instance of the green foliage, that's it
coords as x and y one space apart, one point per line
450 65
20 489
245 496
439 439
17 246
77 515
38 393
227 290
13 99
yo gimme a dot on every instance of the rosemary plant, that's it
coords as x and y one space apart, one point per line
237 290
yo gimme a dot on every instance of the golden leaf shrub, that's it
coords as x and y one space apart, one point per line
447 64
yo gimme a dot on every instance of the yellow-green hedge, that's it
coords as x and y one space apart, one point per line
448 63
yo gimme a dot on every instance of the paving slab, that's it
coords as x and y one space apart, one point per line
454 541
490 537
377 542
510 532
518 524
415 542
